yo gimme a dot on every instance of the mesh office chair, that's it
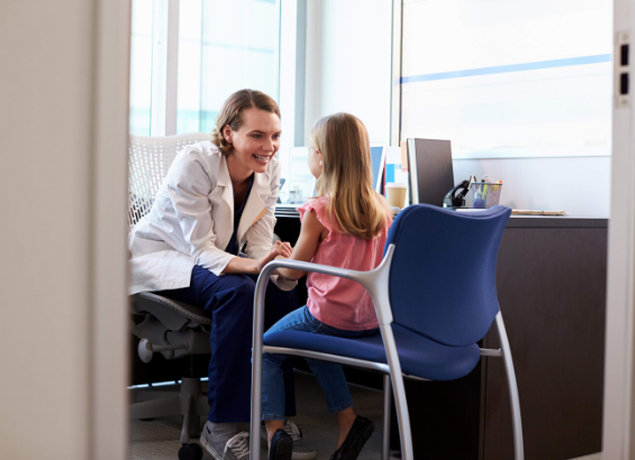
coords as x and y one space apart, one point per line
175 329
435 298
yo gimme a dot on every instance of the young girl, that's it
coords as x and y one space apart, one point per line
344 226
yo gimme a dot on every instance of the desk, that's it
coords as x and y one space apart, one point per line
551 281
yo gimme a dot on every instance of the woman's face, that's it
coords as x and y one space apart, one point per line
255 142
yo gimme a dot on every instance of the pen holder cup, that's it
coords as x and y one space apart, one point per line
485 194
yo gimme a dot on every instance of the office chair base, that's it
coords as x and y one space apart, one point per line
189 402
190 452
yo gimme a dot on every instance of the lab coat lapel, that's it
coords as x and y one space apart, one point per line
224 216
255 205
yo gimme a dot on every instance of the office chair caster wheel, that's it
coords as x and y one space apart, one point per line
190 452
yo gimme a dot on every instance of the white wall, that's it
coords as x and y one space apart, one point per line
348 62
49 120
578 185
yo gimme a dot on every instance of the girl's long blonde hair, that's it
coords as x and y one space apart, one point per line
347 179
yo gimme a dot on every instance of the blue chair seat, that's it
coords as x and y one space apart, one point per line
418 355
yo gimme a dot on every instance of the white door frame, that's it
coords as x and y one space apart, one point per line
109 335
619 384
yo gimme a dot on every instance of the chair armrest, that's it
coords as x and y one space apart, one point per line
174 314
374 281
312 267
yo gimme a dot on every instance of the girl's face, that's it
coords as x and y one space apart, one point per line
255 142
315 161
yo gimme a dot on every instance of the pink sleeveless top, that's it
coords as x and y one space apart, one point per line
338 302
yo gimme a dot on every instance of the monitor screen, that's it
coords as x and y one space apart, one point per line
431 173
378 160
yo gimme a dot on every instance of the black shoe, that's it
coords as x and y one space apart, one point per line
360 432
281 446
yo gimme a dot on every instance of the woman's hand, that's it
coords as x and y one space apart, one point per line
254 266
310 236
278 249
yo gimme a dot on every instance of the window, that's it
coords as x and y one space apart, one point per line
218 48
509 78
188 56
223 47
147 67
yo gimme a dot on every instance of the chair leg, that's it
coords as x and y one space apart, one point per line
512 384
399 390
191 402
256 369
385 447
190 418
256 401
256 362
403 417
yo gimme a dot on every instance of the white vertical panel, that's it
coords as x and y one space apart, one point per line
171 68
46 85
313 70
288 32
158 82
109 309
356 62
59 116
395 82
619 382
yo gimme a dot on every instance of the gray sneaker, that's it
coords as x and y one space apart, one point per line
301 450
234 448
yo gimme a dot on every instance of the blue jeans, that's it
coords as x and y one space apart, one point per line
330 376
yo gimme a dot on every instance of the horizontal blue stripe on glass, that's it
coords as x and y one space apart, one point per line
510 68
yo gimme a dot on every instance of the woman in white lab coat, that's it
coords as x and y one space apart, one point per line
218 200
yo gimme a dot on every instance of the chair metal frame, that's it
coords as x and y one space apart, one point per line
376 283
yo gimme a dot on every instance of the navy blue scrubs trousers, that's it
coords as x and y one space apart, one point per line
229 299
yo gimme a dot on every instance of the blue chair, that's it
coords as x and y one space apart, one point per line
435 298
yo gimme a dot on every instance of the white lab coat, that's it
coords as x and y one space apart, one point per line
192 220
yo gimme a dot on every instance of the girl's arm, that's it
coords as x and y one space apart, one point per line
311 233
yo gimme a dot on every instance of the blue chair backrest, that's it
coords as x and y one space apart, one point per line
443 276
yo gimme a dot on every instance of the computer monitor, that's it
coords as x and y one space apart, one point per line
378 161
431 172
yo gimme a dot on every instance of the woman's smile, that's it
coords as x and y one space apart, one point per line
262 159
